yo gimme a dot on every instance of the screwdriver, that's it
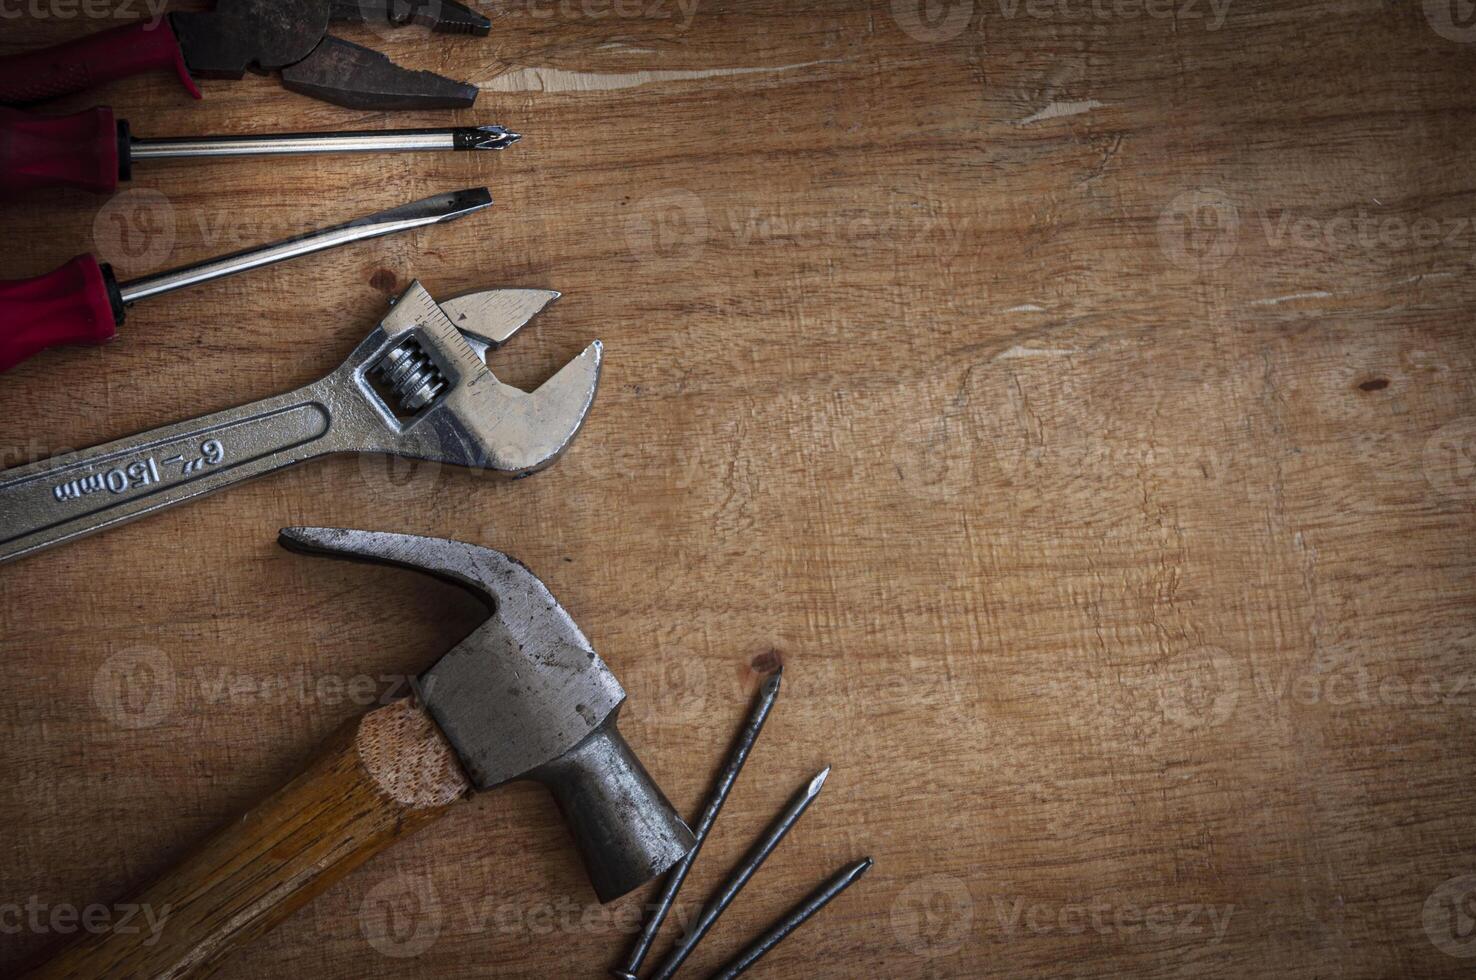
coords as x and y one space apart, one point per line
94 151
83 302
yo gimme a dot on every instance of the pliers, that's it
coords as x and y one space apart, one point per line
264 36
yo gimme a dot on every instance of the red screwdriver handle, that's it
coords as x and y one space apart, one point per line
76 304
37 152
81 64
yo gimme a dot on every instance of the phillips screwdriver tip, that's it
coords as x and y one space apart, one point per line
485 138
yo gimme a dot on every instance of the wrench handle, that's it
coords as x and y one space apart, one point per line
379 778
76 66
75 494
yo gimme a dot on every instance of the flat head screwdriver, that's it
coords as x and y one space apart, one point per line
84 303
94 151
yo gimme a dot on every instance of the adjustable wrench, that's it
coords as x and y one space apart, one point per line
418 387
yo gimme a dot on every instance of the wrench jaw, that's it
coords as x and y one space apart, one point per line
445 405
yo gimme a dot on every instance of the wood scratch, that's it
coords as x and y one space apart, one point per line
1017 352
562 80
1278 300
1059 110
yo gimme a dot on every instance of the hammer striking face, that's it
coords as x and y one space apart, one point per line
525 696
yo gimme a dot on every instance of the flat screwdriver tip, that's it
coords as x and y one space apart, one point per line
459 204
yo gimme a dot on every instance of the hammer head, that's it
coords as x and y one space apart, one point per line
526 697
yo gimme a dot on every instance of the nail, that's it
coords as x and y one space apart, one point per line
768 692
794 918
755 858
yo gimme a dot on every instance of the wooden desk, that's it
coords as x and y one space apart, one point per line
1080 397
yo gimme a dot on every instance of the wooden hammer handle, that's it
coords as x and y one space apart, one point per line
380 777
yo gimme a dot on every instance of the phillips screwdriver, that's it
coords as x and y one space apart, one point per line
94 151
83 302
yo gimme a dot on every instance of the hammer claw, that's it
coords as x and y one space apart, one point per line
455 562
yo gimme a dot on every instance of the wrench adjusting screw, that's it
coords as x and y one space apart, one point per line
411 375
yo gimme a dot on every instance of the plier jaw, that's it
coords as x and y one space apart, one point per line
264 36
439 16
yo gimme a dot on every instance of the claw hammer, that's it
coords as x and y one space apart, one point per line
525 696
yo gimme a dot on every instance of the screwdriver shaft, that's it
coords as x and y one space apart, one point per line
387 141
431 211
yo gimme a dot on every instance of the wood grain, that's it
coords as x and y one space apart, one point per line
379 778
1081 401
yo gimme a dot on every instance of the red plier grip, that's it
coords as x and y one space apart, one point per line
90 61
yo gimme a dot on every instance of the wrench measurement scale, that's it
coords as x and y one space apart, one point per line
418 387
138 474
